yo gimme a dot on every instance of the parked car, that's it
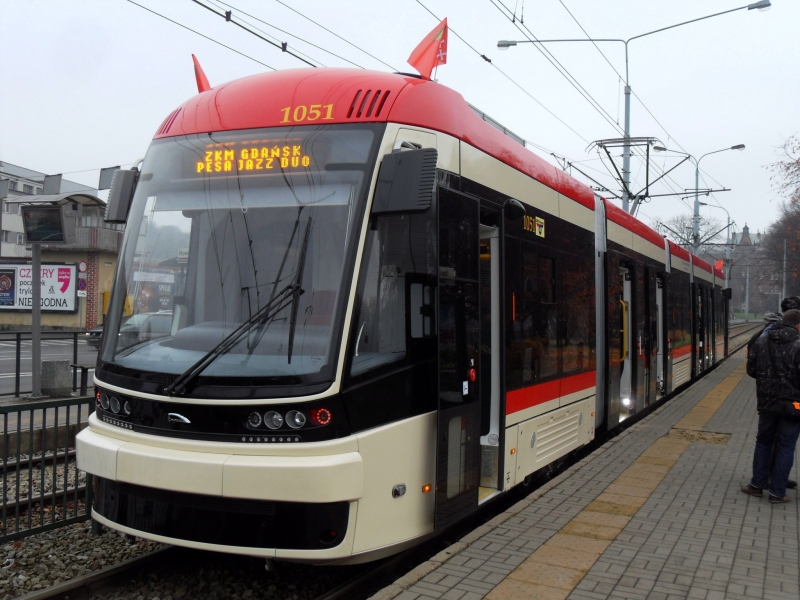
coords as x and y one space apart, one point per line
145 326
94 337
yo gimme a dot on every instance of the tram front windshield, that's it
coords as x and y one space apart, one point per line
241 230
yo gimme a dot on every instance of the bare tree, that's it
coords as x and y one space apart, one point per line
785 230
679 230
786 171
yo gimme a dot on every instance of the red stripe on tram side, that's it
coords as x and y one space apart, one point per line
533 395
682 351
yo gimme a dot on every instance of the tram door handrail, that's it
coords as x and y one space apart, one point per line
624 329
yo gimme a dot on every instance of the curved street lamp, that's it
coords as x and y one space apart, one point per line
761 6
696 215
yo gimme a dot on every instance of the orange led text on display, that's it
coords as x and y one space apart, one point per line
253 159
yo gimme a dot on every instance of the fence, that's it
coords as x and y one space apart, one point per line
42 487
18 339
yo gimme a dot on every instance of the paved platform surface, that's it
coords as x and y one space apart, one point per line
656 513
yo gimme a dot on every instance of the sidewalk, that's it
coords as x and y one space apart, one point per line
655 513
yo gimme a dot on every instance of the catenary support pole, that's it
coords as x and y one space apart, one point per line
728 255
747 293
626 151
696 216
36 320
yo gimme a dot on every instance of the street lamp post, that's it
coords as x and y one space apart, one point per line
727 243
696 216
696 212
761 5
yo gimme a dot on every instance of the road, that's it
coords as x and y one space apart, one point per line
51 350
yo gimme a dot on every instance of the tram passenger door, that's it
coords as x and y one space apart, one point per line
651 339
661 380
627 350
459 409
490 369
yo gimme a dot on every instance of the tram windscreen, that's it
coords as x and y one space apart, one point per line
251 229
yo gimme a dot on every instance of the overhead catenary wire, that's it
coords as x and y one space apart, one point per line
586 33
619 75
290 34
274 38
281 47
346 41
504 74
201 34
531 37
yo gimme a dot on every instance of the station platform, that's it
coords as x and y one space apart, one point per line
655 513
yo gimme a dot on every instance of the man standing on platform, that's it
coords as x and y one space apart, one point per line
774 361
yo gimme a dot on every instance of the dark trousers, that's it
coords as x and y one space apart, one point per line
782 432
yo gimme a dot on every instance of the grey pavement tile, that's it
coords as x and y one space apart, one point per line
695 537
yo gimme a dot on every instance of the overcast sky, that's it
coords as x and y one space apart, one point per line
87 83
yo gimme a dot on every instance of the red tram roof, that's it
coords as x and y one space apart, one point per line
699 262
360 96
631 223
676 250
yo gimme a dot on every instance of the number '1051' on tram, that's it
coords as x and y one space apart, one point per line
350 308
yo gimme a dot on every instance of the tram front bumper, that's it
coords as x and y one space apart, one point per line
318 479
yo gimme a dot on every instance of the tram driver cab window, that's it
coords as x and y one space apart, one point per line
393 315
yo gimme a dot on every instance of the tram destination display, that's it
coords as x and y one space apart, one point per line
59 289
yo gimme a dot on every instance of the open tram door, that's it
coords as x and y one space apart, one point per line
459 408
627 399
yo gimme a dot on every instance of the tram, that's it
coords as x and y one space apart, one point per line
350 308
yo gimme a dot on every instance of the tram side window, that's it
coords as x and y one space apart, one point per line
532 333
679 316
396 292
578 314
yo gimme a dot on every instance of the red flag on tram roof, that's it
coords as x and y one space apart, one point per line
431 51
202 80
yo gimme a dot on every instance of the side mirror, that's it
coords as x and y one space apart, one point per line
123 185
405 182
727 293
514 209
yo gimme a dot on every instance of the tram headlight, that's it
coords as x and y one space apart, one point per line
115 406
626 402
254 419
104 402
273 420
295 419
126 408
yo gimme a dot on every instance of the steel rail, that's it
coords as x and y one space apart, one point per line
107 577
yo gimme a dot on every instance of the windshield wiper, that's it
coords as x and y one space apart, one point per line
260 317
297 290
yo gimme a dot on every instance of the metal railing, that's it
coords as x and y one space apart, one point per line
42 487
19 338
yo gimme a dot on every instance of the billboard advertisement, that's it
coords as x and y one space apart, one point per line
153 291
59 287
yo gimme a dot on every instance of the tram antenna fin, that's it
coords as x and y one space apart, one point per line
202 80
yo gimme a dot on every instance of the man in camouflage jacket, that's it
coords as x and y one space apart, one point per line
774 361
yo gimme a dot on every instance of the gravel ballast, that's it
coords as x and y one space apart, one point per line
44 559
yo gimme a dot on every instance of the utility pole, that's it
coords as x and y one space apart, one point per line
747 293
36 321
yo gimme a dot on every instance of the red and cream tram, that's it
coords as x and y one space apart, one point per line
377 311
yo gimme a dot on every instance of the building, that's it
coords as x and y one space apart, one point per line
755 285
96 247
